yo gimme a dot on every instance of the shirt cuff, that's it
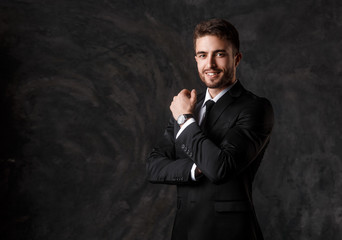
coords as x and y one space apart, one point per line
193 170
187 123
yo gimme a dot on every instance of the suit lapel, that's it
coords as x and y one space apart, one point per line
219 106
223 103
200 100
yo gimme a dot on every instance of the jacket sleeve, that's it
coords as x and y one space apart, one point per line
239 145
163 165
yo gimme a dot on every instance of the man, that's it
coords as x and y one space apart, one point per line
212 151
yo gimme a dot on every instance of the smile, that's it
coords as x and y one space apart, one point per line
212 73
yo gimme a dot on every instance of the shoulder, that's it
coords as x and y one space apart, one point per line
258 109
253 100
248 98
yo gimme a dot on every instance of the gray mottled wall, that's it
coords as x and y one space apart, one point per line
85 90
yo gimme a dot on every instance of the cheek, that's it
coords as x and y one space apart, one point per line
227 64
199 65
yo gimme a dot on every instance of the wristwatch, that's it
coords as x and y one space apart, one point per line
182 118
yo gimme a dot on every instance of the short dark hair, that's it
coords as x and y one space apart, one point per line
220 28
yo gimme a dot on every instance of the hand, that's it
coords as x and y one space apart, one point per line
183 103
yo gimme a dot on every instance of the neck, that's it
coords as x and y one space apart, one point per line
215 91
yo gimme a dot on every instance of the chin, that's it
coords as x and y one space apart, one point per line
213 84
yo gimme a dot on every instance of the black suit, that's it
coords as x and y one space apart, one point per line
219 204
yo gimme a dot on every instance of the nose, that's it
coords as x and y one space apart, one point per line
211 63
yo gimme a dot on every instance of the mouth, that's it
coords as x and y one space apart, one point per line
212 73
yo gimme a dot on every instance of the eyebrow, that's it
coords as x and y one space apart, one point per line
216 51
200 52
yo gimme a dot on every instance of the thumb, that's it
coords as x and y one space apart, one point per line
193 96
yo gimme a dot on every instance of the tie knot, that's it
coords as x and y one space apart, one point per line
209 104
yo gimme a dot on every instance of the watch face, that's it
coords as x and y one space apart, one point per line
181 119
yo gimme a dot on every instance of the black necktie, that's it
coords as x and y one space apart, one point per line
208 105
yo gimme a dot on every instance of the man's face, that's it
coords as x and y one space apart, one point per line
216 61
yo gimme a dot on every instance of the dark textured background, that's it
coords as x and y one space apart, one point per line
85 90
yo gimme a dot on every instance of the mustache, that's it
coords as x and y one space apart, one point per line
212 69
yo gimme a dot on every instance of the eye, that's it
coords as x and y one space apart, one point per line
220 54
202 55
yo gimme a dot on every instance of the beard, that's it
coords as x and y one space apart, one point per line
225 80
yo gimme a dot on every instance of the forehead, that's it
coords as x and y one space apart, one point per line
210 43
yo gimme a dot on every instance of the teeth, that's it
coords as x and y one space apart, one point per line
211 74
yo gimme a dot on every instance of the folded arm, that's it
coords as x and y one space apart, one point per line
237 147
162 165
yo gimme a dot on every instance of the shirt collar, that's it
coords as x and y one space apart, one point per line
218 96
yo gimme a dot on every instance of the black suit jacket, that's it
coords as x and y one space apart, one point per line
219 204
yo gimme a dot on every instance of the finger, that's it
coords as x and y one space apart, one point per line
193 97
171 106
185 92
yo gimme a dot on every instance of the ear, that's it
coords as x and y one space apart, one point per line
238 58
195 58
